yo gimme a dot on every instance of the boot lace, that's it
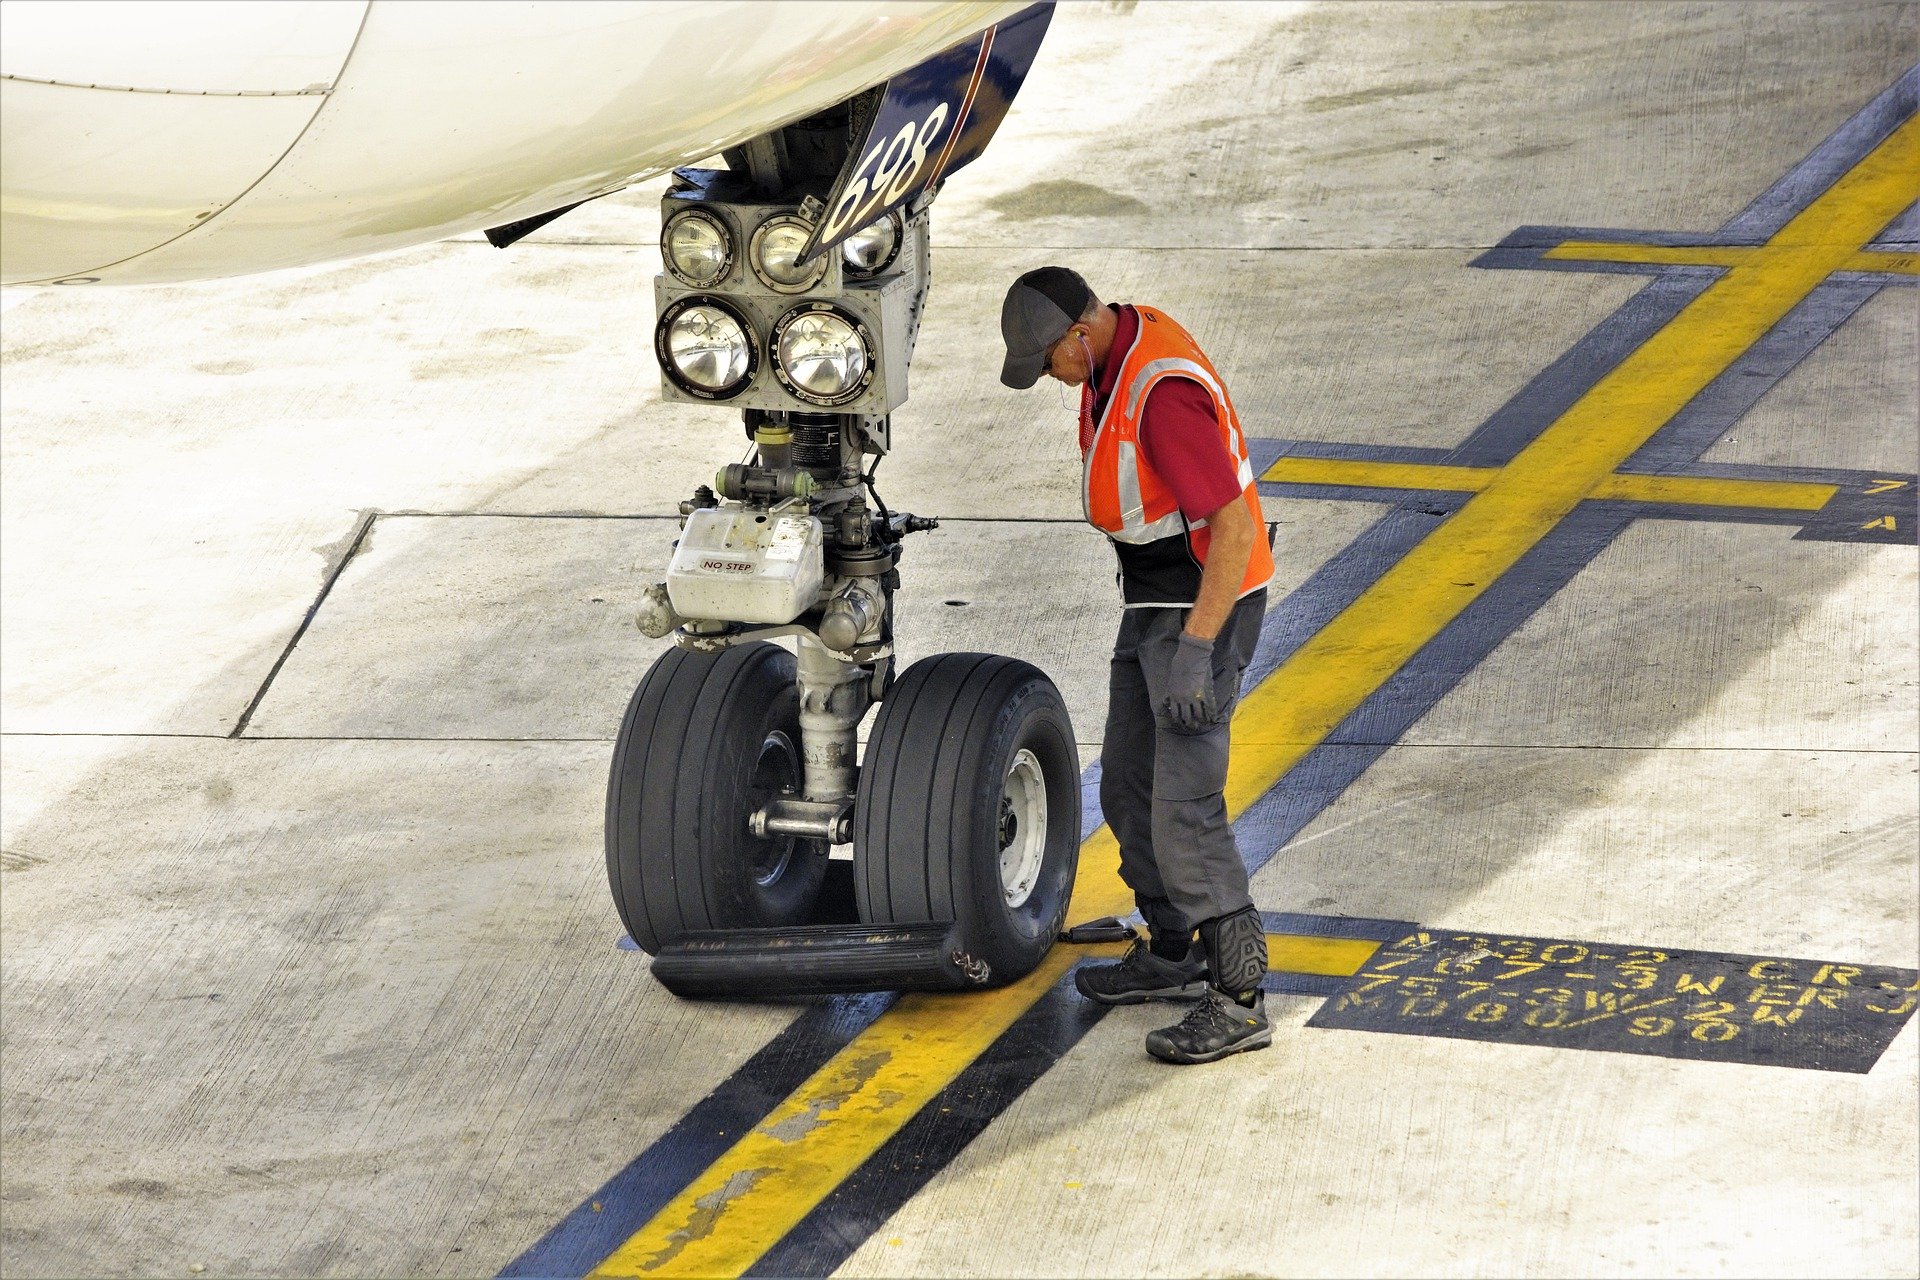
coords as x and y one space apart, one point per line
1209 1014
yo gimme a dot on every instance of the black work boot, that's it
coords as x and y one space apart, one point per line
1213 1029
1140 976
1233 1016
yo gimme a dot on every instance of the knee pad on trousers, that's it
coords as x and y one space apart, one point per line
1236 951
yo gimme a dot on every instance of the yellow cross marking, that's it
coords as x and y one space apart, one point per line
1696 491
751 1197
1731 256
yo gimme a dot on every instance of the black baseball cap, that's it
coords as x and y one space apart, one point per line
1040 307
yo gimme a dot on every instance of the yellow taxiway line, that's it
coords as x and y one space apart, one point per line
1696 491
1894 261
741 1205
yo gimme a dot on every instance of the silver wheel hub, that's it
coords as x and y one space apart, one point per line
777 772
1023 827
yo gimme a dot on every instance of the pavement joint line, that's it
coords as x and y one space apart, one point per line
637 516
1330 742
1786 495
1727 256
1047 248
1826 505
743 1204
356 540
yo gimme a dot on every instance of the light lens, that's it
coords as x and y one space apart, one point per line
776 256
821 354
705 348
696 247
872 248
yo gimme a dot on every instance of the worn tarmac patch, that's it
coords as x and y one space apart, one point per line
1761 1010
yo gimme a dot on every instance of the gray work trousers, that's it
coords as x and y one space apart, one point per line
1162 790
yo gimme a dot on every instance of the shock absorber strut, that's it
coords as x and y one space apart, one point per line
816 441
834 695
835 690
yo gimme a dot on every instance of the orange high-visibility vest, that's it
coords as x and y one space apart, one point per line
1120 493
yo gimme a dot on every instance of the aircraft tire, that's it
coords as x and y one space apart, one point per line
707 738
963 743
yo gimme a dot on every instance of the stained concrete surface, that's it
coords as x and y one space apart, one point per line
1850 404
1685 635
289 1006
502 627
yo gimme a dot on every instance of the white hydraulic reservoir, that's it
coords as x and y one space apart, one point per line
741 564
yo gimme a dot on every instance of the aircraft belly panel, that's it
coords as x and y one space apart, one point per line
94 176
180 46
451 118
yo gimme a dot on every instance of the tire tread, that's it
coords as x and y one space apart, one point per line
671 767
919 851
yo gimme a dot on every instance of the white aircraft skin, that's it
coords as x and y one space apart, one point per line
165 140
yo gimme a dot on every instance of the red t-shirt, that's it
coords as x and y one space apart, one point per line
1179 434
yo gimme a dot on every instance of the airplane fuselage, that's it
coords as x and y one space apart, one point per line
165 140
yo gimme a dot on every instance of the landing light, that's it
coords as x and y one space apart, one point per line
706 347
775 253
697 247
872 248
822 354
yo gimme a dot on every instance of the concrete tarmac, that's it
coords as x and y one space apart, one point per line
317 596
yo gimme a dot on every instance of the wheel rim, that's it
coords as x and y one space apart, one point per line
775 773
1023 827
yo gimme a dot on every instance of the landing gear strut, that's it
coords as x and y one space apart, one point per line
796 296
735 772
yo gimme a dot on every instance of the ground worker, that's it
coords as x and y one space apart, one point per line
1167 478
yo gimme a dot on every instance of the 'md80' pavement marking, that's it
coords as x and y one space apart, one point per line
1591 995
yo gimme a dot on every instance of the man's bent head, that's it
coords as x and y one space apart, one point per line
1040 308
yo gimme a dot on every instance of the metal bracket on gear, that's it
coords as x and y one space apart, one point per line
1105 929
739 633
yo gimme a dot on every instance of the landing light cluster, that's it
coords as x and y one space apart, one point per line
822 352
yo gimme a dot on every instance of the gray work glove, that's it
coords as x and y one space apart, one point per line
1190 704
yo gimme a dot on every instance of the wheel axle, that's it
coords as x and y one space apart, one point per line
829 820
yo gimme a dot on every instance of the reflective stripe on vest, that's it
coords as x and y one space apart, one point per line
1118 485
1152 372
1134 525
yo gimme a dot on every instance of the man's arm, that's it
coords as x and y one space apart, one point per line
1180 437
1234 529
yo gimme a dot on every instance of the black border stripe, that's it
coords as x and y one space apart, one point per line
627 1201
928 1143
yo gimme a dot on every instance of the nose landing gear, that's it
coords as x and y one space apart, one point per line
737 770
965 829
737 766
